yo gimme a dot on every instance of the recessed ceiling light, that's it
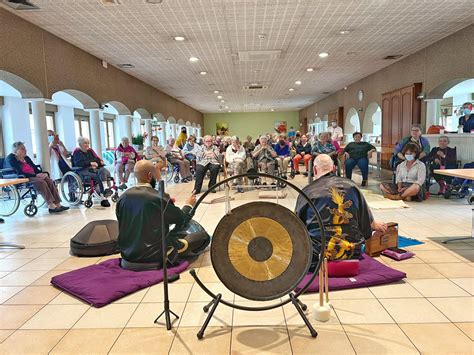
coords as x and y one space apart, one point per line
323 55
254 84
219 97
272 110
222 101
309 69
291 89
203 72
344 32
193 59
154 1
126 66
262 36
226 107
179 38
216 91
298 82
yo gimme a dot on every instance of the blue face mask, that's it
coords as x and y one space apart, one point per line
467 112
50 139
409 157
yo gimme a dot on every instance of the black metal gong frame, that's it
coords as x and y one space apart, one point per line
292 296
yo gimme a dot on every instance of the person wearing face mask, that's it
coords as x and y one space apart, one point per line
467 120
410 177
336 132
443 157
415 138
282 149
138 213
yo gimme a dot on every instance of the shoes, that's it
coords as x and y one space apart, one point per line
55 210
108 192
297 172
123 186
284 177
64 208
364 183
2 220
264 183
273 184
185 181
305 174
105 203
240 190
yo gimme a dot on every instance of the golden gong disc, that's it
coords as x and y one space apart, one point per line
261 250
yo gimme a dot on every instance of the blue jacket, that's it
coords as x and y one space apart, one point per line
282 151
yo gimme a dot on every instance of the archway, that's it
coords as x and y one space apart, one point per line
372 125
158 128
171 128
122 118
351 124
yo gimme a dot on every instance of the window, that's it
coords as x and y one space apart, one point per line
108 129
49 126
81 127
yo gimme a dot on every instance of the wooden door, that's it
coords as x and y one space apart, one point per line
386 121
406 114
304 128
395 116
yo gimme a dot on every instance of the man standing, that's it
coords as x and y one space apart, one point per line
336 132
207 159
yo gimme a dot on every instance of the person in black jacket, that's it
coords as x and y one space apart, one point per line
139 216
23 165
93 167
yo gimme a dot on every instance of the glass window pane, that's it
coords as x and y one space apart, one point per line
77 128
32 130
85 129
50 123
110 133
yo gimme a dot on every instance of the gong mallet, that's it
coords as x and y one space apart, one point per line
326 282
321 312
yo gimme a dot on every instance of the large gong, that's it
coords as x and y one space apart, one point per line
261 251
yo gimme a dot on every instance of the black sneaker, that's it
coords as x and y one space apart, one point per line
123 186
240 190
54 210
305 174
284 177
185 180
108 192
297 172
105 203
364 183
64 208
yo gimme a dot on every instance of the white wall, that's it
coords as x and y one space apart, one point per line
16 124
65 127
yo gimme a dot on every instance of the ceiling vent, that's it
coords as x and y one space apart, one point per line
255 87
20 4
259 56
392 57
110 2
126 66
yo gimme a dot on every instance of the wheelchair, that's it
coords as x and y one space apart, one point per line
255 180
172 172
73 187
12 196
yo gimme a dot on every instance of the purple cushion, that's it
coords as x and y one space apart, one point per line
371 273
103 283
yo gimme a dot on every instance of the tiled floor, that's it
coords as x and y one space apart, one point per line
431 311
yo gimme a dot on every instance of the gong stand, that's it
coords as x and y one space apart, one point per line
216 299
166 312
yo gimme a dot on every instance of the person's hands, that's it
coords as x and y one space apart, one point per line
401 189
346 155
440 154
302 154
379 226
191 200
125 154
437 161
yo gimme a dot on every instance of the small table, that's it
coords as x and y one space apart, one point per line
463 174
10 182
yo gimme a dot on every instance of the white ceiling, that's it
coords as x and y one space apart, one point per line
216 30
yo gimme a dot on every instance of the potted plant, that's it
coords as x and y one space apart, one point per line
137 142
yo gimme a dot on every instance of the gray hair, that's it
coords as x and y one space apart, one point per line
444 137
235 139
125 139
16 146
417 126
263 137
322 134
82 140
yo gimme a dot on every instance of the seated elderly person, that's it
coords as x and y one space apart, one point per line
358 153
207 159
303 151
139 216
92 167
414 138
409 178
282 149
443 157
345 214
156 154
324 146
235 156
125 159
21 163
265 156
191 150
175 156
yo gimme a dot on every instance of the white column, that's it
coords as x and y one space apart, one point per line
16 123
94 121
136 126
103 138
149 132
125 125
38 109
163 135
431 118
65 127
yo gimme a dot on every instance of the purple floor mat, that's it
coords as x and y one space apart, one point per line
103 283
371 273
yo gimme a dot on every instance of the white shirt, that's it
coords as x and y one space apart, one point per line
230 155
336 133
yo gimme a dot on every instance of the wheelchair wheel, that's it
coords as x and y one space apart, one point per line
281 185
176 178
72 188
115 197
470 200
88 203
9 200
30 210
169 172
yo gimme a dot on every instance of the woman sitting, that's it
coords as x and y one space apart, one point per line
92 167
443 157
410 177
125 156
282 149
156 154
265 156
235 156
23 165
358 153
175 156
324 146
190 150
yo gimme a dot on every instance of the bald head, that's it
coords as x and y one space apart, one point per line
323 164
145 171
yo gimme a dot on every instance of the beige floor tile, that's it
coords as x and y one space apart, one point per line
5 334
146 313
143 341
56 317
466 283
260 340
274 317
292 317
27 253
467 328
41 264
328 335
13 316
216 341
207 274
457 309
31 341
45 279
400 289
379 339
194 316
66 298
198 294
8 292
432 338
352 294
12 264
454 269
360 312
34 295
74 263
110 316
55 253
438 288
418 271
437 257
21 278
87 341
4 273
413 310
178 292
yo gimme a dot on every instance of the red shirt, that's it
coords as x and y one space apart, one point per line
26 168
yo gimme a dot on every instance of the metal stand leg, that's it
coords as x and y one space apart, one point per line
297 303
13 246
215 302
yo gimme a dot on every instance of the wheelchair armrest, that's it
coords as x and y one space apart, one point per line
75 168
6 171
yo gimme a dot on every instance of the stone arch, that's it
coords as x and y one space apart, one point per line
18 86
74 98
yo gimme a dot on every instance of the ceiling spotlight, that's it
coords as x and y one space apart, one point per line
229 111
203 72
226 107
298 82
193 59
154 1
309 69
272 110
323 55
216 91
291 89
254 84
219 97
262 36
222 101
126 66
344 32
179 38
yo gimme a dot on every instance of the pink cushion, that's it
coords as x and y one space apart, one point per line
343 268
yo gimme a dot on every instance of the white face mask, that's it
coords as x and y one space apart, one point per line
409 157
334 124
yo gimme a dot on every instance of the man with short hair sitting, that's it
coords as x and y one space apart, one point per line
139 215
346 216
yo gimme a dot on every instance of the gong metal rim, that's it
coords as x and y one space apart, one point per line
316 216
